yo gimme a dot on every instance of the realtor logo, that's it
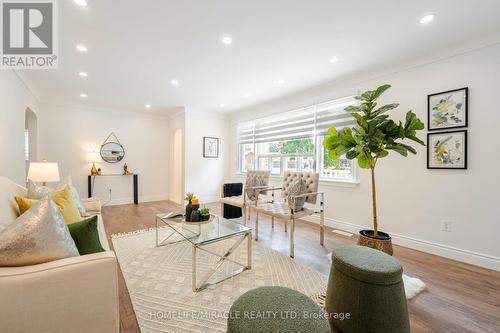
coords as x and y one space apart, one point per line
29 34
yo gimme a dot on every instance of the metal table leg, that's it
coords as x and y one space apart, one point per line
204 281
249 250
193 269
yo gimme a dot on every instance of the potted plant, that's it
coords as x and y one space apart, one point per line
189 208
373 138
205 214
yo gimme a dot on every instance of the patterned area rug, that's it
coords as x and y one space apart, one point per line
159 281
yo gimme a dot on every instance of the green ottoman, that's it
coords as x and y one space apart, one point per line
276 309
367 285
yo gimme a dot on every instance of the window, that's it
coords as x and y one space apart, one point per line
289 155
293 141
341 169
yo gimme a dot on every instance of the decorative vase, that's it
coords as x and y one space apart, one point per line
382 242
189 209
205 217
93 171
195 216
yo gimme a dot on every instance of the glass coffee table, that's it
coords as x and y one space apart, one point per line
199 234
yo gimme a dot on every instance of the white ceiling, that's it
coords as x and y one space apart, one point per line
135 48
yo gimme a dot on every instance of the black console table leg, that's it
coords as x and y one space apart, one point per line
89 186
136 191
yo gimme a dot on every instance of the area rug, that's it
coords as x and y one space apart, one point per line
159 281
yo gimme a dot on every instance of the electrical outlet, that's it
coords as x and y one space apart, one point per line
446 226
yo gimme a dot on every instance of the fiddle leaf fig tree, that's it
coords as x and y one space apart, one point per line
373 138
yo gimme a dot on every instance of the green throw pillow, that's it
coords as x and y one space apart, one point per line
86 236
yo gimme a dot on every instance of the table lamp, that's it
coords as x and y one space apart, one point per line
43 172
93 157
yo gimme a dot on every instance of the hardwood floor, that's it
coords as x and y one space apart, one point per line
459 297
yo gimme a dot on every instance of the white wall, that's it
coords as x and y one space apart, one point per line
413 202
203 176
67 134
15 97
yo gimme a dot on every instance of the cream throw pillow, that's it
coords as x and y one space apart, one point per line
76 197
39 235
297 187
68 207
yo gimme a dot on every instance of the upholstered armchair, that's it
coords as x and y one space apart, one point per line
242 201
281 209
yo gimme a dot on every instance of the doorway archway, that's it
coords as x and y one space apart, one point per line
30 138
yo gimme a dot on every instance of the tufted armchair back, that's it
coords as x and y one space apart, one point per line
311 179
264 176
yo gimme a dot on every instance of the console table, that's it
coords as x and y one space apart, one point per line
136 181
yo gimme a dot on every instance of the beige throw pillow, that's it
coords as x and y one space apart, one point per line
39 235
297 187
252 193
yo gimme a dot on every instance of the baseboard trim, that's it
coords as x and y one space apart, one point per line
206 199
450 252
126 201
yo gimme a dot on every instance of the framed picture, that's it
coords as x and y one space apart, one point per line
447 109
210 147
447 150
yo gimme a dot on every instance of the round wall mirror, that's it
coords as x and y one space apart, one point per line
112 152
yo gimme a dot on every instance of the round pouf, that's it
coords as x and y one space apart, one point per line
365 292
276 309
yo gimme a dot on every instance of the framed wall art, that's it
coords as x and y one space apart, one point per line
447 150
210 147
447 109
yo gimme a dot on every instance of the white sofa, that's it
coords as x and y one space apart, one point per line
78 294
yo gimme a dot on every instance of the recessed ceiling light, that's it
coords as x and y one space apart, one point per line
82 3
281 81
83 95
246 95
174 82
426 19
83 74
222 105
147 106
227 40
334 60
81 48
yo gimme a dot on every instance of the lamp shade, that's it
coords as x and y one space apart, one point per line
93 157
43 172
